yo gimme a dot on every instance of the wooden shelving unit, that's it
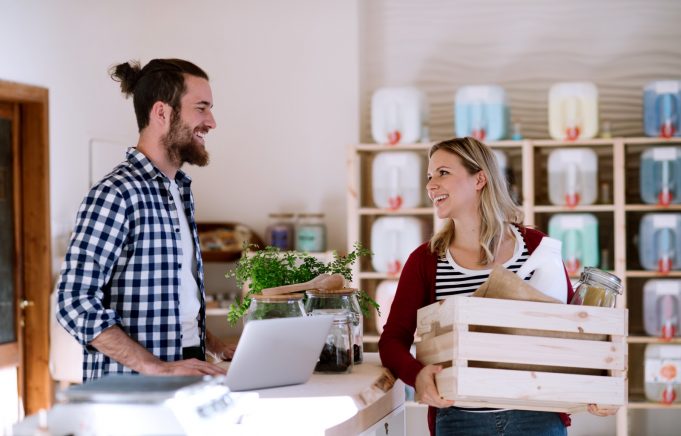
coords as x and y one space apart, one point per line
619 214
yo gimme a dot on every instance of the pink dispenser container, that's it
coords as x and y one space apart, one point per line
397 179
573 111
659 241
662 369
399 115
385 294
573 176
481 112
392 241
661 308
662 108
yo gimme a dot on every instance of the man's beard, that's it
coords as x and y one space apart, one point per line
181 145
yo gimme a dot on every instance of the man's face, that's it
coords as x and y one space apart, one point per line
185 140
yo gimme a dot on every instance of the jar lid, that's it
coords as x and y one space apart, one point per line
602 277
331 292
279 297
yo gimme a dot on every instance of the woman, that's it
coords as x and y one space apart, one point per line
483 228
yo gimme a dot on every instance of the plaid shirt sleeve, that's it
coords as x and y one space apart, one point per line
99 235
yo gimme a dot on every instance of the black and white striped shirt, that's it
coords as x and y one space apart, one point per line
453 279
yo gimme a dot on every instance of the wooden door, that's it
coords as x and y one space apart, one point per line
25 254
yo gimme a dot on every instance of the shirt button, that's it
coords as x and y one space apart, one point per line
177 230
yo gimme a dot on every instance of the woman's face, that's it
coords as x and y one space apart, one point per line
452 190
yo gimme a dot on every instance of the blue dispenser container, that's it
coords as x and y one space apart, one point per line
481 112
659 242
662 108
661 176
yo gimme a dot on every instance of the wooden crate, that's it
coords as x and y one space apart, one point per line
447 339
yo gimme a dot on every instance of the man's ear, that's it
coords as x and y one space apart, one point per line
480 180
160 114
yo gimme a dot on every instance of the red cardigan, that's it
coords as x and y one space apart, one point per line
416 289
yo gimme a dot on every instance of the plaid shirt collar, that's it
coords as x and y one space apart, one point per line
148 170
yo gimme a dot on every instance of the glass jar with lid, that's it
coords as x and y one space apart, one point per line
280 231
337 354
340 301
275 306
311 232
597 288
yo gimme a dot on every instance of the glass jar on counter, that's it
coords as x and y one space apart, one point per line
597 288
275 306
311 232
337 354
280 231
321 302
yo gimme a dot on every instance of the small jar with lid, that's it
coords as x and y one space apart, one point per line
311 232
340 301
280 231
597 288
337 354
275 306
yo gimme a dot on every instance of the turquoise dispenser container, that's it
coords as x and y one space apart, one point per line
579 235
661 176
659 241
662 108
481 112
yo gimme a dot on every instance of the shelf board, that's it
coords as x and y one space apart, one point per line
633 339
650 141
651 274
371 339
578 143
641 402
584 208
378 275
410 211
425 146
651 208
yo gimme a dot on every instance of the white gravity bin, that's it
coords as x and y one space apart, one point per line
661 307
397 179
662 370
573 111
573 176
399 115
385 294
392 241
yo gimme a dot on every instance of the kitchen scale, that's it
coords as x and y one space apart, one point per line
127 404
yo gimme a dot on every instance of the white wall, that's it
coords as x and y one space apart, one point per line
285 83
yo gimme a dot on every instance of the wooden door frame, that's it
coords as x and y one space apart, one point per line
34 238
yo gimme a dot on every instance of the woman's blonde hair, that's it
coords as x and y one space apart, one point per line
497 209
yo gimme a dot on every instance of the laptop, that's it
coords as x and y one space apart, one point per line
277 352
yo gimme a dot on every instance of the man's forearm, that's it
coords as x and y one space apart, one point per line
116 344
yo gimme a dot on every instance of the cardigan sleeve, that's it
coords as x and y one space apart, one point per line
413 292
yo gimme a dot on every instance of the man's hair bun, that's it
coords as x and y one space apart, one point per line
128 74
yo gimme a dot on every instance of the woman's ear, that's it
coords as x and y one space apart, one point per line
480 180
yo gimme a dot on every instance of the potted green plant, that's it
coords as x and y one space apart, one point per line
271 267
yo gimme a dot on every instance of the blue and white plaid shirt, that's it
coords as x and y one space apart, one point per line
123 265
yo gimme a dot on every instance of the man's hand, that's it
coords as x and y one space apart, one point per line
184 367
219 349
597 410
426 391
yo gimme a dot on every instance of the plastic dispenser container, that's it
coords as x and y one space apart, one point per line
662 108
659 242
573 111
392 241
579 235
385 294
661 175
662 369
546 266
399 115
481 112
662 308
573 176
397 179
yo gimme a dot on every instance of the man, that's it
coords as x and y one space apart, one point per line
131 289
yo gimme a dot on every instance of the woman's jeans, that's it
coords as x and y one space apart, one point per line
453 421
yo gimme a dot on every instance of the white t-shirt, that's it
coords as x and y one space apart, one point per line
190 303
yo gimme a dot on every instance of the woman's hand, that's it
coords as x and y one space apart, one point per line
597 410
426 391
